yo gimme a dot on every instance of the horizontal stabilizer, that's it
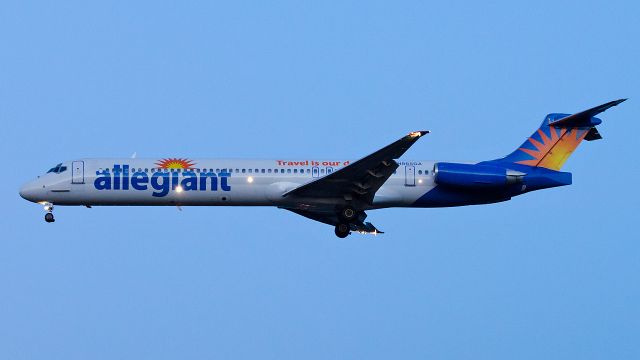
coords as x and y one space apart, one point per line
585 118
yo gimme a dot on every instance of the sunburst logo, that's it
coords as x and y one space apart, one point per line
553 147
175 163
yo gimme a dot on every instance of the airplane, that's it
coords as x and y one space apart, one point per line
336 192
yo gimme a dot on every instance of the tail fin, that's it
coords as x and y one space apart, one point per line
558 136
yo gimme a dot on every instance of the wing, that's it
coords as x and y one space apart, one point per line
359 180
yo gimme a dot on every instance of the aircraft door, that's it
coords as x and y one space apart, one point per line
77 172
409 176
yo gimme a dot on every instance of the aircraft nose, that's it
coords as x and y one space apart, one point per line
28 191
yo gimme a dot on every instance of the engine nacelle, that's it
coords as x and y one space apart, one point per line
474 176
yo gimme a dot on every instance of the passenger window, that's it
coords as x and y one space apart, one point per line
288 171
281 171
419 172
269 171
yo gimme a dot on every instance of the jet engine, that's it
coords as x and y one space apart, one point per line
475 176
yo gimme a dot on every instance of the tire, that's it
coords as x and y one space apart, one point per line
48 217
342 230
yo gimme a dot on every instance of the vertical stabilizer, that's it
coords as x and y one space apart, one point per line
557 137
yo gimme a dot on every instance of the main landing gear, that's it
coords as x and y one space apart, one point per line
346 216
48 217
342 230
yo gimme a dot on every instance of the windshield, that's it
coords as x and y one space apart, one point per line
57 169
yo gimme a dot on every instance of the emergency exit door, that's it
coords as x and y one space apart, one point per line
77 172
409 176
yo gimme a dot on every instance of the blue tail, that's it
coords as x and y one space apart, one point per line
557 137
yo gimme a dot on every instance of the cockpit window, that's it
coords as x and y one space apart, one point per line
57 169
54 169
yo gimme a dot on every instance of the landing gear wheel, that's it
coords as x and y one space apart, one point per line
48 217
348 213
342 230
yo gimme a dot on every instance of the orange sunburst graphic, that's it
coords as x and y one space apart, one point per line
555 148
175 163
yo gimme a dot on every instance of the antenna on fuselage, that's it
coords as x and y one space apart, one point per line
133 156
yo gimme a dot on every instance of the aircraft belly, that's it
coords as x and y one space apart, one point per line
394 193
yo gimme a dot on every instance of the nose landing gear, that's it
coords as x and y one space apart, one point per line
48 217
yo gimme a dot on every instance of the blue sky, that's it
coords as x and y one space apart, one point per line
552 274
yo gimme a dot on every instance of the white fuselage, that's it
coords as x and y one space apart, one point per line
208 182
